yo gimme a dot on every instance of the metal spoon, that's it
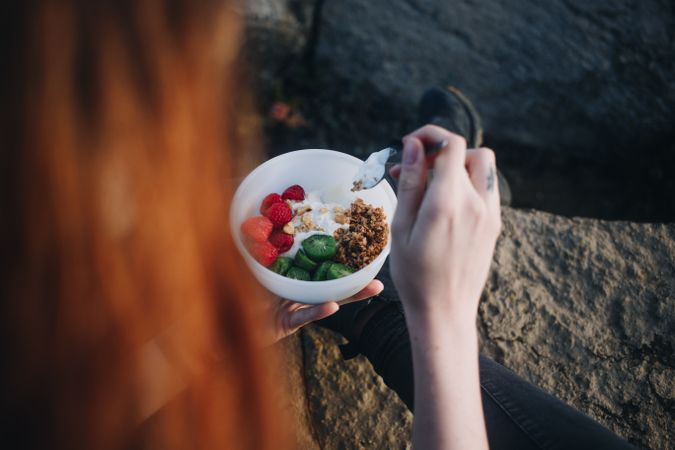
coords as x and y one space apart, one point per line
374 169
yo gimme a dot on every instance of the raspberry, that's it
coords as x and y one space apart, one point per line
264 252
257 228
280 214
281 240
295 192
269 201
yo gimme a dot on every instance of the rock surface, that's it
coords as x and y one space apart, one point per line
276 33
585 309
577 96
591 78
350 406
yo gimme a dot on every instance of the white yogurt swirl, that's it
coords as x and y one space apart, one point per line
313 216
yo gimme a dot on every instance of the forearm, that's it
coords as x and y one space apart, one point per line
448 409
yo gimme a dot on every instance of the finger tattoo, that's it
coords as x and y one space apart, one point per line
491 179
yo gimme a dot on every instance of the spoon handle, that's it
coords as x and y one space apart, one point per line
438 146
395 156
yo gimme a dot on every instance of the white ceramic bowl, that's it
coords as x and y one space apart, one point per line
330 173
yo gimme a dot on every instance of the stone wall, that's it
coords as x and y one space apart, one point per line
593 78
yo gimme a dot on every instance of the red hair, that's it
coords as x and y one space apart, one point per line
117 140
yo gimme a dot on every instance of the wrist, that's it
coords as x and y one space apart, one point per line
439 350
459 317
431 328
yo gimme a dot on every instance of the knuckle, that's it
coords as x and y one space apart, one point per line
426 130
477 211
486 154
436 210
456 142
431 129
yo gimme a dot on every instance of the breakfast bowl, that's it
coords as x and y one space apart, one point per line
331 173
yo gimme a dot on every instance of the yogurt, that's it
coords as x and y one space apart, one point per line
314 216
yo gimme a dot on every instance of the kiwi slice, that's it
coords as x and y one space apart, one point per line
304 262
320 274
297 273
337 270
281 265
320 247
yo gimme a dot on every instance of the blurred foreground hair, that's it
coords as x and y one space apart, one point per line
116 140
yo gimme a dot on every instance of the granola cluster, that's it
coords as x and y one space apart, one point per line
366 237
304 222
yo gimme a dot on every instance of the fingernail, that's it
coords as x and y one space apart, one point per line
410 153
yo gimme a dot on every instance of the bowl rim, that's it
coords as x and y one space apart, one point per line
238 198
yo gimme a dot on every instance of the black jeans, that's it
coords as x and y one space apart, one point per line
518 415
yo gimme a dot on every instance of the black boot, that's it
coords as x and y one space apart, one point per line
451 109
